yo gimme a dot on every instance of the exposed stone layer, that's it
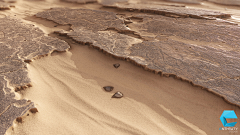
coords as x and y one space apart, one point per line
18 43
227 2
111 2
202 52
90 19
81 1
187 1
9 1
111 42
217 34
171 11
207 67
5 6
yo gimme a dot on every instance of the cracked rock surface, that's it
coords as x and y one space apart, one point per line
111 2
227 2
5 6
171 11
94 20
19 42
187 1
203 52
114 43
81 1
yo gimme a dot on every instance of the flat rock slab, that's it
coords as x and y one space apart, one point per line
19 42
211 68
94 20
111 42
187 1
81 1
227 2
218 34
9 1
5 6
203 52
111 2
171 11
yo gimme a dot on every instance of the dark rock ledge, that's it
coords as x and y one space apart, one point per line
202 52
170 11
19 43
80 1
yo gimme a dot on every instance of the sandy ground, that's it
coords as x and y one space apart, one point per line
67 91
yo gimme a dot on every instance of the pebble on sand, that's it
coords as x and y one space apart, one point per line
117 95
116 65
33 110
19 119
108 88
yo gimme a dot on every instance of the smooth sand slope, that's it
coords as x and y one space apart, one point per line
67 90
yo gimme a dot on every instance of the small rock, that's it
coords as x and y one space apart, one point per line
27 61
19 119
117 95
108 88
33 110
116 65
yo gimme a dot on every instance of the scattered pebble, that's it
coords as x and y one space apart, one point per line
33 110
108 88
116 65
117 95
19 119
27 61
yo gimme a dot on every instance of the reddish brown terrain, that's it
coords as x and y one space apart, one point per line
76 66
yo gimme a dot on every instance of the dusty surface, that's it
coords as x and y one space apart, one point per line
161 37
187 1
227 2
151 104
5 6
19 43
81 1
111 2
